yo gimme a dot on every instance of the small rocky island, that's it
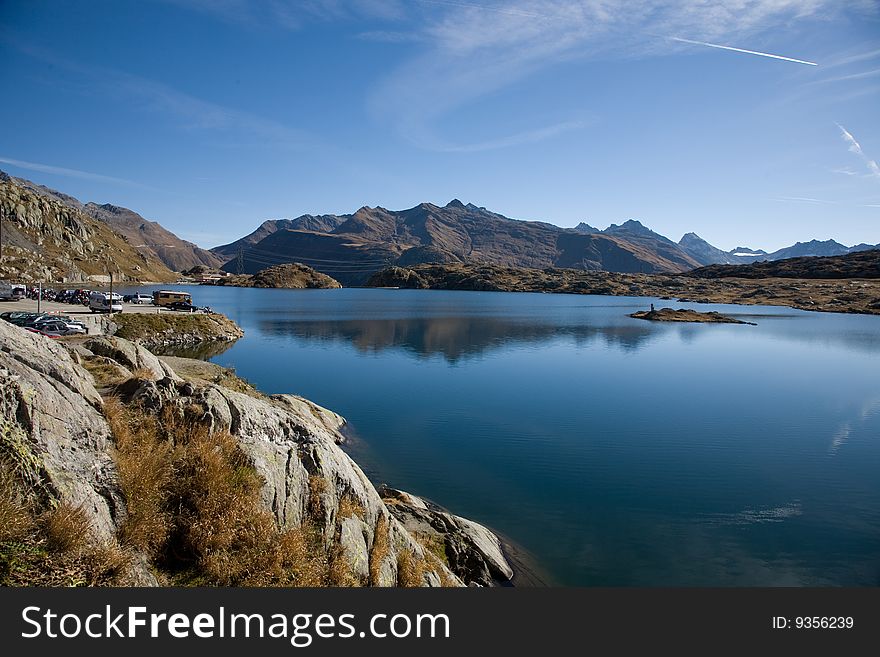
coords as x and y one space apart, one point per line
291 276
683 315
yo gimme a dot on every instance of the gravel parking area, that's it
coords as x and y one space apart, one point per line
96 323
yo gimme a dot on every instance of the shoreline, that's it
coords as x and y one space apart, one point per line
839 295
741 292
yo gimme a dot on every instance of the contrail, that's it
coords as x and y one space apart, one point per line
748 52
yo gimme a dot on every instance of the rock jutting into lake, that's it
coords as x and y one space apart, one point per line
683 315
117 470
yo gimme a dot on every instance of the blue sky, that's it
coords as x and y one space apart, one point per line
211 116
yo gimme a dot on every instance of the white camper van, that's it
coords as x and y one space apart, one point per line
102 302
11 291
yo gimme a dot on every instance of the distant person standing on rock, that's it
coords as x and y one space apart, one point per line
652 307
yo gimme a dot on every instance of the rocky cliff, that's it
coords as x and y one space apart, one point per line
46 239
160 470
148 237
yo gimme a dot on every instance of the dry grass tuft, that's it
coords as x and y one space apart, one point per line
105 371
410 569
66 529
339 571
53 547
350 507
143 374
317 488
219 524
435 557
381 547
145 467
433 544
16 520
195 507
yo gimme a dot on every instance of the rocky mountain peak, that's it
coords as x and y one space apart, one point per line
585 228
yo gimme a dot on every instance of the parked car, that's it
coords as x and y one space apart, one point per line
137 298
21 319
36 318
14 316
184 306
60 326
104 302
11 291
47 334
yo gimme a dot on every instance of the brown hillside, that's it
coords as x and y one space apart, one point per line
153 239
373 238
45 239
861 264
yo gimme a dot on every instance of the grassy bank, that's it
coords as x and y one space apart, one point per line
845 295
169 328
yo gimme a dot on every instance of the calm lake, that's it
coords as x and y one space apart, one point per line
615 451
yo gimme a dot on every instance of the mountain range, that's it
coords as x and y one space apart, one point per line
352 247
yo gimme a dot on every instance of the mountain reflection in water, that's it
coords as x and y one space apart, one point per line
454 338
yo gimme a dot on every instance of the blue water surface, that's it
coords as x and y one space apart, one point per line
615 451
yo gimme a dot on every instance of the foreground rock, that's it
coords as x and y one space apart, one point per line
466 546
682 315
54 428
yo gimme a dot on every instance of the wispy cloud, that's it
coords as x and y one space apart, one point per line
854 58
70 173
474 49
196 114
856 147
500 9
292 14
186 111
389 36
803 199
851 76
526 137
743 50
822 201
